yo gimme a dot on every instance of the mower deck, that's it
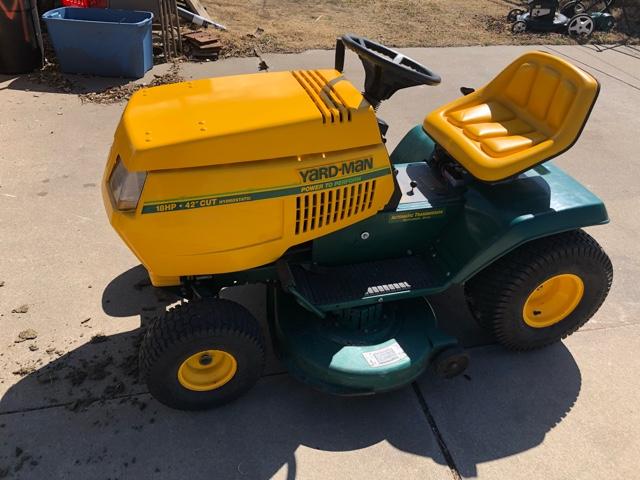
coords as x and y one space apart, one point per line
359 352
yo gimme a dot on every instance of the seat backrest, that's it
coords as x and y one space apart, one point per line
533 111
549 93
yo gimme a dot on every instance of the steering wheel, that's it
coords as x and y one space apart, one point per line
386 69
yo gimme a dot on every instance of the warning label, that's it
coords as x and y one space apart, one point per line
385 356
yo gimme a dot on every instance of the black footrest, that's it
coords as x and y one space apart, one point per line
324 286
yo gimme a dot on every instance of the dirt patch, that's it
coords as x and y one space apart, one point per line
298 25
123 92
97 372
25 370
28 334
51 76
21 309
93 370
21 459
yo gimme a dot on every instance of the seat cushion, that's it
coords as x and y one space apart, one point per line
502 146
479 131
484 112
497 130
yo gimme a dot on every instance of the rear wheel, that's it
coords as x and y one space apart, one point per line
581 26
202 354
543 291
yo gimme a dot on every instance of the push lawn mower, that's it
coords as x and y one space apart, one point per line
578 19
284 179
574 7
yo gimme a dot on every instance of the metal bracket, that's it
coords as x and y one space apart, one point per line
289 285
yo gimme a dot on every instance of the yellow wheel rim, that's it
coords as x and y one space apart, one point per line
553 300
207 370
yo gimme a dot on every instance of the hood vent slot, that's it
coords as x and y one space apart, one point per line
322 209
326 98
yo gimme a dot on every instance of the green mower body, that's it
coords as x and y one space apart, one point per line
336 307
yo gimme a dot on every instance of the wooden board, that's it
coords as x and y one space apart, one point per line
197 7
201 38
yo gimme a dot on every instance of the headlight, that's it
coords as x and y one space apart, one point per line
126 186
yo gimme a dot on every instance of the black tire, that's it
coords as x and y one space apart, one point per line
189 328
451 362
519 27
496 296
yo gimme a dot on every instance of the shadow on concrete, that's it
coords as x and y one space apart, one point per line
84 415
506 405
131 293
49 78
455 319
52 81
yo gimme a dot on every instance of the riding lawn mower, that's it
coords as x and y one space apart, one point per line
283 179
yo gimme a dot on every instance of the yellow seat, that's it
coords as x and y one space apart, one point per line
532 111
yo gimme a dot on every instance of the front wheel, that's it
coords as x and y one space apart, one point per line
519 27
202 354
543 291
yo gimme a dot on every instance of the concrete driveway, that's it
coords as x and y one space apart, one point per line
70 404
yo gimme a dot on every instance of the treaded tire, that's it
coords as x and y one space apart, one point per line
496 295
193 327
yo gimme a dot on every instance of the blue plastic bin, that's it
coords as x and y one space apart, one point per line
99 41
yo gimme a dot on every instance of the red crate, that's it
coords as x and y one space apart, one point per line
86 3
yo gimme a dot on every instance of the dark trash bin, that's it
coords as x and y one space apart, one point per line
20 50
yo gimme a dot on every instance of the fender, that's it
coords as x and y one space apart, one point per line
497 218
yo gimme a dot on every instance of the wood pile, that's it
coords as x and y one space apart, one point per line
202 44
